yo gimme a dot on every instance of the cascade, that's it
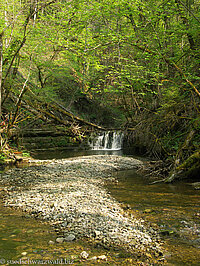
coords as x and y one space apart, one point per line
109 140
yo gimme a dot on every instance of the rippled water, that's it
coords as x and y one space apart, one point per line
173 208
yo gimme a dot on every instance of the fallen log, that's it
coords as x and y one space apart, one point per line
189 168
58 107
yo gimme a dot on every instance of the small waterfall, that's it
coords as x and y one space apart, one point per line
110 140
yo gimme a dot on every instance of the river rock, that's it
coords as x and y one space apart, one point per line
84 255
97 233
70 237
93 258
196 185
102 257
60 240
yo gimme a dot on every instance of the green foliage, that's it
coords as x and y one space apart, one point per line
133 59
172 140
26 154
2 157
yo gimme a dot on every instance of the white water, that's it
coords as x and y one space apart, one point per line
109 140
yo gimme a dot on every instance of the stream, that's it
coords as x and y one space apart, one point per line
172 208
25 240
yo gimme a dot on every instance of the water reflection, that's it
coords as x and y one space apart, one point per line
174 208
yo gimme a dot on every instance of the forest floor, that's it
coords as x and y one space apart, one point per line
70 194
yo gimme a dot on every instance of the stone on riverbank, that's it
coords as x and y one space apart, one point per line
60 240
70 195
84 255
70 237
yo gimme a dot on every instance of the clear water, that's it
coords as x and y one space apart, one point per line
173 208
25 241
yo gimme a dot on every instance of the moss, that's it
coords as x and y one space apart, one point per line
50 142
191 166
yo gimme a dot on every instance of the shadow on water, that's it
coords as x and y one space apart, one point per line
67 153
60 154
173 208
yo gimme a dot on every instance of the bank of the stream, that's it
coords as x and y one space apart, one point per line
169 211
70 195
24 240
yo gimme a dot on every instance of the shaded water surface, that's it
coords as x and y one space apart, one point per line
173 208
56 154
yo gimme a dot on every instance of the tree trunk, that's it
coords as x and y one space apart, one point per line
188 169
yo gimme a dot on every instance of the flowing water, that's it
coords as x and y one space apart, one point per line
109 140
104 143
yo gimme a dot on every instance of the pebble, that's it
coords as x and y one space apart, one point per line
70 195
97 233
93 258
60 240
84 255
70 237
102 257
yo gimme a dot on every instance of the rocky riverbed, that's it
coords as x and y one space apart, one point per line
70 195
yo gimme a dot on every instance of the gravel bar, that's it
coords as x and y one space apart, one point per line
70 194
